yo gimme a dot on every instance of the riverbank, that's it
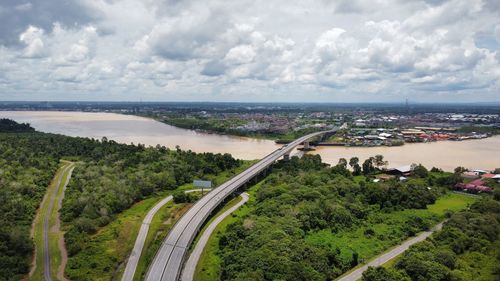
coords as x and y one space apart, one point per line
122 128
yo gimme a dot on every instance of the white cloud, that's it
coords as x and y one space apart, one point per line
241 54
354 50
33 39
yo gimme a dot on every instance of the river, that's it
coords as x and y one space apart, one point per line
483 154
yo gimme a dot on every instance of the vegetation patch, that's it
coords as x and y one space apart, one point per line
313 222
111 178
467 248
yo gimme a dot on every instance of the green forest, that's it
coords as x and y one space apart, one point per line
304 221
107 180
308 221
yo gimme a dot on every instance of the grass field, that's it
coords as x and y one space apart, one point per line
389 229
55 187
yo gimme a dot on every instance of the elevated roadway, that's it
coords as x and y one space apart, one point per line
168 262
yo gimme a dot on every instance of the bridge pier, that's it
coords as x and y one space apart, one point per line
307 145
286 157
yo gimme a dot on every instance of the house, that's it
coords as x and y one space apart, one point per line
497 178
480 172
470 175
401 171
477 185
470 187
487 176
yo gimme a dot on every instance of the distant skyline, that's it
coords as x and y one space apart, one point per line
445 51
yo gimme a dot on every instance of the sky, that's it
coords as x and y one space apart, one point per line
250 50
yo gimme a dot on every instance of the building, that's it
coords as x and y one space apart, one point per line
477 185
403 171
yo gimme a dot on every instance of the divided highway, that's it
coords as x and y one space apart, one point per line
134 257
167 264
190 267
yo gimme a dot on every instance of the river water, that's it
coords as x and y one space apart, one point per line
447 155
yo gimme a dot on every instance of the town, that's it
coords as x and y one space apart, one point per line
358 128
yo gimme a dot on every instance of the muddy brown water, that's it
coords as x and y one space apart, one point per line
481 154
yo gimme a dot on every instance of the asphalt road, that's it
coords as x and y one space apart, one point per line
169 259
190 267
387 256
46 223
134 257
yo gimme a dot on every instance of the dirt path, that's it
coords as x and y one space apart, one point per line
61 244
46 224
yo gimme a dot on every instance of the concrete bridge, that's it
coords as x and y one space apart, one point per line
168 262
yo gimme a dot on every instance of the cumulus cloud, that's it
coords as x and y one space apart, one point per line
33 39
175 50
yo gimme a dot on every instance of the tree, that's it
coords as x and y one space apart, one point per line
354 259
354 163
460 170
368 167
342 162
379 161
419 171
182 197
383 274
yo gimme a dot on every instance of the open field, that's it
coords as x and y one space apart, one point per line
388 228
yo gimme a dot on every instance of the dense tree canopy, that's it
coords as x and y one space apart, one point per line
301 197
109 178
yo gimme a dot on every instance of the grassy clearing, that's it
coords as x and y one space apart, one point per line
389 229
54 236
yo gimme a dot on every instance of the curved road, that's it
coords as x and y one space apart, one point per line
190 267
387 256
66 170
133 260
168 261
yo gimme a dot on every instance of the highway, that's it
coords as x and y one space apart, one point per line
190 267
167 264
133 260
